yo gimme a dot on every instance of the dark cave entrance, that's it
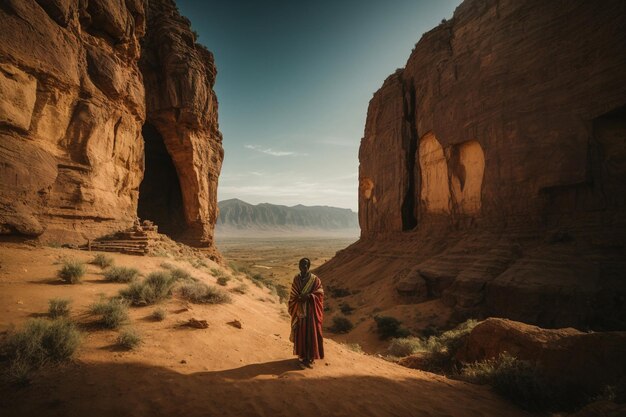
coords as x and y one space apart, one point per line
160 196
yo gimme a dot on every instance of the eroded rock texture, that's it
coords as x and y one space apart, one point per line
492 167
74 101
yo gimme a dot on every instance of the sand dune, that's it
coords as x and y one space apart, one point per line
221 370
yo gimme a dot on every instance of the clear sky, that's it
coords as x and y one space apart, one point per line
294 82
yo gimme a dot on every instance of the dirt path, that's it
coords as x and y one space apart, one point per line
219 371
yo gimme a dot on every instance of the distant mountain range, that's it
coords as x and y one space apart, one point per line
238 216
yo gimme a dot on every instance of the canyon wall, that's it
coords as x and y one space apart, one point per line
492 170
93 92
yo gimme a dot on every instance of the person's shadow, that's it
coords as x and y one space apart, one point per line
275 368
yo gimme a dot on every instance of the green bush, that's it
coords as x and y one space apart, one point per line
39 342
159 314
439 351
388 327
519 381
102 260
129 339
156 287
121 274
72 271
223 281
405 346
59 307
197 292
341 325
346 308
113 313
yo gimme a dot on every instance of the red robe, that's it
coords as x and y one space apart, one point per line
307 317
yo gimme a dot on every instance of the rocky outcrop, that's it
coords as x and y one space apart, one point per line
497 152
74 101
589 360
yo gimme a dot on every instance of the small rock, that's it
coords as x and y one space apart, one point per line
197 324
235 323
183 361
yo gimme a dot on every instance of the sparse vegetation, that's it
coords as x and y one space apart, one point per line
519 381
121 274
179 274
129 338
102 260
405 346
336 292
167 265
346 308
58 307
156 287
72 271
39 342
198 292
223 281
240 289
113 313
355 347
388 327
159 314
438 351
341 324
282 292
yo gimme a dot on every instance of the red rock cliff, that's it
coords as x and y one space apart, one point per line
493 168
91 94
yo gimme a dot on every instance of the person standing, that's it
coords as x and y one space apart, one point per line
306 307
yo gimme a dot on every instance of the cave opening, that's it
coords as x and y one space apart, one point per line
160 196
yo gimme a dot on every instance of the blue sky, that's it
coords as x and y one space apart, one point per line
294 81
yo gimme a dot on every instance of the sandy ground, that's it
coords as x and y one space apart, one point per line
219 371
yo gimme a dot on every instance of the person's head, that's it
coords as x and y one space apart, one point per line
305 264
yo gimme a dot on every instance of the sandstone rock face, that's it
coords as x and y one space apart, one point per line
591 360
74 101
498 152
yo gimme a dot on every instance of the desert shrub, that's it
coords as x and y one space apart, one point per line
240 289
346 308
355 347
112 313
167 265
129 339
282 292
121 274
405 346
72 271
223 281
388 327
59 307
336 292
156 287
39 342
341 324
197 292
102 260
197 263
159 314
439 351
519 381
179 274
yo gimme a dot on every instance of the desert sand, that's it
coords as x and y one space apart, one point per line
220 370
